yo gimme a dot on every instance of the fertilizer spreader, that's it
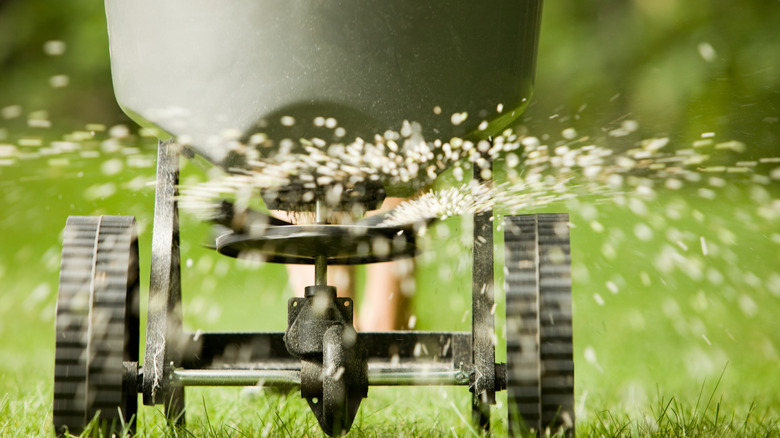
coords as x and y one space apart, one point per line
245 82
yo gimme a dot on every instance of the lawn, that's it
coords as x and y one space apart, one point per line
675 301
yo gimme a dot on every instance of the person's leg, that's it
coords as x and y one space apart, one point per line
388 288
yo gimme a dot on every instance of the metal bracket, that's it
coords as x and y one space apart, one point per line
334 365
308 318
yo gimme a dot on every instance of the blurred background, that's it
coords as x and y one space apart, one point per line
668 293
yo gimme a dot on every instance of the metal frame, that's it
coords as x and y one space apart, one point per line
482 322
164 322
175 359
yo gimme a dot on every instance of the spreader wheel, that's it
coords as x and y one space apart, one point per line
96 353
540 366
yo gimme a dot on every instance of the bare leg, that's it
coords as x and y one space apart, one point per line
388 287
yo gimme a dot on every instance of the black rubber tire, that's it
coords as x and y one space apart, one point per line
540 365
97 326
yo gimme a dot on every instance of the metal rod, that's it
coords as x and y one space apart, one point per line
236 378
321 270
376 377
320 212
406 377
320 262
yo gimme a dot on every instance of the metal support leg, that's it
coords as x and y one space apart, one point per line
483 328
164 335
334 363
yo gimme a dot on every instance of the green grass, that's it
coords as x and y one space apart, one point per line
388 413
669 340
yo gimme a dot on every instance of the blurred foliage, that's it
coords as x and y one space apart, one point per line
27 70
678 67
